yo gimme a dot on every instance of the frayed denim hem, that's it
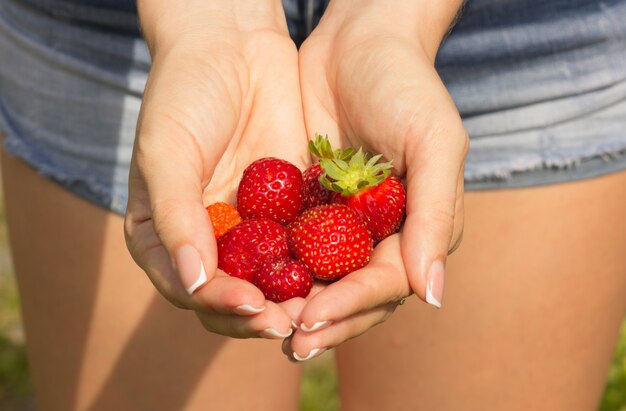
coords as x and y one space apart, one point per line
527 172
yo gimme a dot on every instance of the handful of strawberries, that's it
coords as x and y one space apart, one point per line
290 227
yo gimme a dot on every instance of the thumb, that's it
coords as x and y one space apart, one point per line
181 117
170 236
173 179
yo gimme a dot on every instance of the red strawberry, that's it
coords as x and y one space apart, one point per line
366 187
245 247
271 189
314 193
331 240
381 207
283 278
223 217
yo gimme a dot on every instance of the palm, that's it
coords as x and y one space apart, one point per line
270 121
353 91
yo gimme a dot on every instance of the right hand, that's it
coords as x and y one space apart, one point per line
214 102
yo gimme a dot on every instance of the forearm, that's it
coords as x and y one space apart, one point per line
426 21
165 21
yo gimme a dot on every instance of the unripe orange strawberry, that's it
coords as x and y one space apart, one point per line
223 217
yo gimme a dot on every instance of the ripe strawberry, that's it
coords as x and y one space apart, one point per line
223 217
283 278
381 207
366 187
331 240
314 193
270 189
245 247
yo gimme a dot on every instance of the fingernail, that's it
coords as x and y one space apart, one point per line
271 332
434 284
314 327
294 325
190 268
313 353
248 309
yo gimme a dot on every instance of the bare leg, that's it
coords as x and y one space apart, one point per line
534 301
100 338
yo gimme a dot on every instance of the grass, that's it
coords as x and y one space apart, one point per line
15 385
319 387
614 398
14 378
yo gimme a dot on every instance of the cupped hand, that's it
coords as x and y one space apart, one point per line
212 105
374 85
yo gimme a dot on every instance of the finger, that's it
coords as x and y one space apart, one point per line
434 206
293 308
382 281
272 323
179 217
420 128
433 154
306 345
184 127
153 243
222 294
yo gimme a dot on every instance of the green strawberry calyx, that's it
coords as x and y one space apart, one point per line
321 148
354 175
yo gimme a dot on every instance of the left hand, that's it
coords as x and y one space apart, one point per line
368 79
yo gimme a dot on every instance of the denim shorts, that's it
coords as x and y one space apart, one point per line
541 87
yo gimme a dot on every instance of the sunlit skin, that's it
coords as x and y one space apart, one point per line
344 76
233 89
225 76
383 93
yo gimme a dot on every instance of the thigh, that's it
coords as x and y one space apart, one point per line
533 304
100 338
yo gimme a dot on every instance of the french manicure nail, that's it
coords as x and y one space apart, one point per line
313 353
190 268
248 309
275 333
314 327
434 284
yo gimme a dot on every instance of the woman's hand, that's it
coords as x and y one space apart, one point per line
223 91
368 79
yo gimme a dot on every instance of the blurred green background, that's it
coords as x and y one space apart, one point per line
319 389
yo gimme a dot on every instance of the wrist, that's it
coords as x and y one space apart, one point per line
195 22
423 22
